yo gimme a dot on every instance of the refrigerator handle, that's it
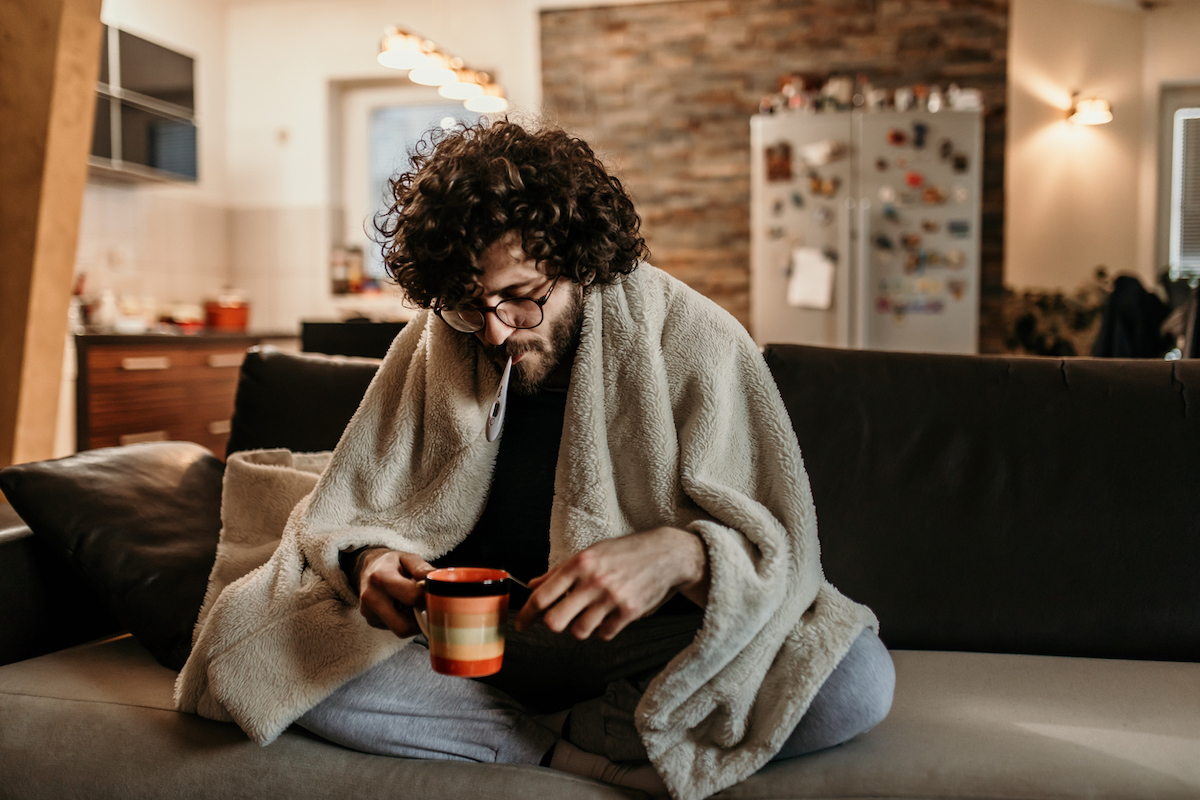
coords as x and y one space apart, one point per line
862 277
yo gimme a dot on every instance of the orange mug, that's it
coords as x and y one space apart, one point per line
466 609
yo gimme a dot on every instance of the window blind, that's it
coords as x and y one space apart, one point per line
1185 194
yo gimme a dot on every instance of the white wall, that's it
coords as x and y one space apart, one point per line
1072 192
283 56
166 241
1078 197
1172 57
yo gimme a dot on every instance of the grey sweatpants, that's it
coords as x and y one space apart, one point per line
403 708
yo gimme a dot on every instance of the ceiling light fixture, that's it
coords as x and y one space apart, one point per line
1089 111
467 84
437 71
430 66
490 102
400 49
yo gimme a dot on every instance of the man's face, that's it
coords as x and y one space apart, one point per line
536 352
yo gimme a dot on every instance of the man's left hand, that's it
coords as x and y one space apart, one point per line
602 589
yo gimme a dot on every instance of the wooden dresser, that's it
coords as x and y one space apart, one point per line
149 388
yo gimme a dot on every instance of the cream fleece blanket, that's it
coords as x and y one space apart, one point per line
672 419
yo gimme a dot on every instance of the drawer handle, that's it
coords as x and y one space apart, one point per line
138 438
145 362
220 426
226 359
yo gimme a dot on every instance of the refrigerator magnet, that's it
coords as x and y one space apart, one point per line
823 152
920 132
890 213
961 162
797 200
909 198
930 225
957 289
961 194
777 206
933 196
914 178
910 241
933 258
776 232
887 194
881 164
823 187
959 228
822 215
883 242
896 137
779 162
946 149
956 259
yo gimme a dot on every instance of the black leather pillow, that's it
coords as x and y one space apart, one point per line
138 525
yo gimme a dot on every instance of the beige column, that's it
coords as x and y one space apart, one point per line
49 61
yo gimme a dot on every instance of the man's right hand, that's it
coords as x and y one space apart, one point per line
387 588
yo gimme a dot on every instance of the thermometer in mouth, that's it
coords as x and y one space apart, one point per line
495 421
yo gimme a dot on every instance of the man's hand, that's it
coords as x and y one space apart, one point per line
612 583
387 588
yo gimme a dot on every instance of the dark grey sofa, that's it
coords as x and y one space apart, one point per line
1027 531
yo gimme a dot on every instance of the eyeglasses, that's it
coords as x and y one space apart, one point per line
521 313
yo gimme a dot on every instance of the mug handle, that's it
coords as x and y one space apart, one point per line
420 614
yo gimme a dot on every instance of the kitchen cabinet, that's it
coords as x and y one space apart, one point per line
149 388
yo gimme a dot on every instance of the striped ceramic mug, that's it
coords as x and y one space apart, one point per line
464 619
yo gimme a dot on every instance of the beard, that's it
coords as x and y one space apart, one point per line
528 377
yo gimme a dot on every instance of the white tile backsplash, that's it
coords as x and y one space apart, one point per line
142 243
177 250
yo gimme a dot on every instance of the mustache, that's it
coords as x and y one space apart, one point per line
514 349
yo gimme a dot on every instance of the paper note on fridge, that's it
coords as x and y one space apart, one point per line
811 281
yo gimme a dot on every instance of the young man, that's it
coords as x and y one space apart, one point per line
647 485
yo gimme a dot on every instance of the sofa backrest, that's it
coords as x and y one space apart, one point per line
1006 504
298 401
975 503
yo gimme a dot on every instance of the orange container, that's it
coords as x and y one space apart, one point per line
231 316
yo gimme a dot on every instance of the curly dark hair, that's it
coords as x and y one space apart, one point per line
474 183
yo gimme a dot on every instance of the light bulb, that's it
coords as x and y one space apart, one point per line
400 50
436 72
487 104
464 87
1091 111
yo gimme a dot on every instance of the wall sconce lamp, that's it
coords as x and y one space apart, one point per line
429 66
1089 111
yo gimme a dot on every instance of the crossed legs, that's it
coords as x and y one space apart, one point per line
402 708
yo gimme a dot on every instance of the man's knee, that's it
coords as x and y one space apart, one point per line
855 698
874 684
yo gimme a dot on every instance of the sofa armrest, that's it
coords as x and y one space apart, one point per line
42 609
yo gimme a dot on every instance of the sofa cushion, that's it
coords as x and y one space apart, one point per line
1006 504
93 721
138 525
300 402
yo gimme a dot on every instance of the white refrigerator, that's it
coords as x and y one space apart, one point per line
865 229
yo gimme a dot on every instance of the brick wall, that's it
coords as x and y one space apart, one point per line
665 90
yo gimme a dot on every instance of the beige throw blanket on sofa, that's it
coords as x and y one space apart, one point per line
672 419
